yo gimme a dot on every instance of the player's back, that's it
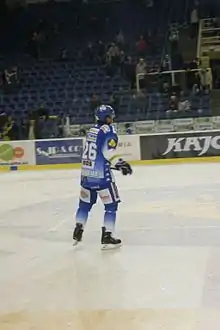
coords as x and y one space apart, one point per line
95 167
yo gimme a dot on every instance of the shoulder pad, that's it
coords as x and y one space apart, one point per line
114 129
105 128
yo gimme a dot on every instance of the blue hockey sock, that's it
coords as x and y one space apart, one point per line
109 220
82 216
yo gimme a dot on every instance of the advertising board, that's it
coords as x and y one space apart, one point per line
180 145
15 153
62 151
129 147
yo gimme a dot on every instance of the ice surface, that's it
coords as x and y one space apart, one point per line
165 277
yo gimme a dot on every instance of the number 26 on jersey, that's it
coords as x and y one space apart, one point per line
90 151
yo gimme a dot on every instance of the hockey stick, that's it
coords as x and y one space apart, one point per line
114 168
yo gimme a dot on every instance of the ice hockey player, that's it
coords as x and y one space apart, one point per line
98 159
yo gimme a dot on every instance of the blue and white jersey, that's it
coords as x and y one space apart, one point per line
98 155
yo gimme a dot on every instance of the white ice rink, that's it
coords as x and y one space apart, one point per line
165 277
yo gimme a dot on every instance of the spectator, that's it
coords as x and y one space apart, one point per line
173 104
42 112
154 69
141 67
41 129
184 105
206 80
141 46
194 20
31 130
90 54
197 88
128 129
176 90
173 33
129 71
23 129
166 63
140 72
3 121
34 45
122 61
191 75
119 39
165 87
149 3
82 131
110 68
193 64
51 130
11 76
8 128
41 125
114 54
114 102
101 51
174 39
63 54
37 123
94 103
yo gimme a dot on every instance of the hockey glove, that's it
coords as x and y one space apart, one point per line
124 167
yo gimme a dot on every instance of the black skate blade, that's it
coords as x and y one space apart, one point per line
107 247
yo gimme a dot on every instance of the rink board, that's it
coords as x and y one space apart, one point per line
171 161
144 149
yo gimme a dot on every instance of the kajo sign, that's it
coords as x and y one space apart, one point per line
180 145
196 143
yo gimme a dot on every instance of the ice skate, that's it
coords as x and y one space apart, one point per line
109 242
77 234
